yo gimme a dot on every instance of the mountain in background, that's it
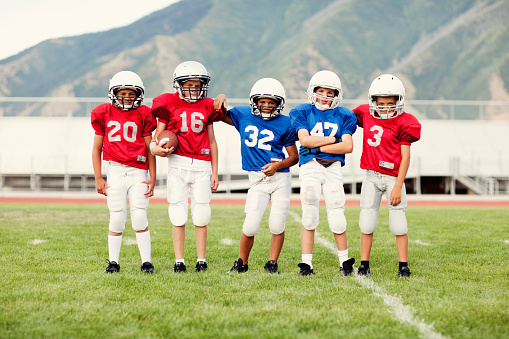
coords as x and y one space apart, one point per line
456 50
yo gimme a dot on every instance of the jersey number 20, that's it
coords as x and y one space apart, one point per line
252 137
129 131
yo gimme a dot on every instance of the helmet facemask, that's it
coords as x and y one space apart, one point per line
316 99
386 86
383 111
122 101
191 70
193 93
267 88
266 112
328 80
126 80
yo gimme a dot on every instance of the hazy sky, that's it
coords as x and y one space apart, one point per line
25 23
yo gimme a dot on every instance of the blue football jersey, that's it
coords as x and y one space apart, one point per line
332 122
262 141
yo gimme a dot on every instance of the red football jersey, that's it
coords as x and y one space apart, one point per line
123 133
382 139
188 121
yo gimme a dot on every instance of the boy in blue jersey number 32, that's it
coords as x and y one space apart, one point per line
325 133
264 132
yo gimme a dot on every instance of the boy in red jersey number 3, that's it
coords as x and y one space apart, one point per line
123 131
192 167
388 133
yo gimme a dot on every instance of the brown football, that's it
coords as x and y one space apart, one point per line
168 138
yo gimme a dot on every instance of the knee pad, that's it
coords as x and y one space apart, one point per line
251 224
178 214
370 204
368 220
277 223
117 221
138 204
139 219
116 201
337 220
310 199
201 214
278 213
397 221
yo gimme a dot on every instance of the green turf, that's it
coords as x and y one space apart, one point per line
57 289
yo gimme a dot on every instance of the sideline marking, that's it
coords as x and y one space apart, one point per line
226 241
422 243
37 241
130 241
402 313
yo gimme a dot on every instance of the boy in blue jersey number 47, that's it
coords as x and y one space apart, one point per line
325 134
264 132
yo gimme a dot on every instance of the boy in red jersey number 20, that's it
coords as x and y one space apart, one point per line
123 131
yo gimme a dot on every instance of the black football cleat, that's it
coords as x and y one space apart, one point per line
404 271
201 266
113 267
305 269
271 267
179 267
364 271
239 266
147 267
347 267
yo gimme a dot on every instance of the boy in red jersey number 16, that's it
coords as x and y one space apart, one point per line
388 133
192 166
123 131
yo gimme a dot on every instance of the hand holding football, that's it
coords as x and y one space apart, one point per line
167 139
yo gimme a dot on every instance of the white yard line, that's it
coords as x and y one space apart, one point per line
402 313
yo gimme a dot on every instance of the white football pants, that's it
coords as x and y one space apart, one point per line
275 189
126 182
315 179
181 182
373 186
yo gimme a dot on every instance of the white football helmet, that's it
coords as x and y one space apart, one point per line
325 79
126 80
386 85
267 88
191 70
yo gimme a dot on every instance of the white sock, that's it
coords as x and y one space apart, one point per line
114 244
198 260
343 256
307 259
143 240
180 260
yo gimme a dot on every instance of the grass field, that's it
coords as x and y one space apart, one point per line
52 283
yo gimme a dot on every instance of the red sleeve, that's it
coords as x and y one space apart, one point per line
159 108
359 113
97 119
149 121
214 115
410 130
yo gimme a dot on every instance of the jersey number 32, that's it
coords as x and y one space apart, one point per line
253 140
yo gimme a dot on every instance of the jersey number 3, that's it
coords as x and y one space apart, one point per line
377 136
252 138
